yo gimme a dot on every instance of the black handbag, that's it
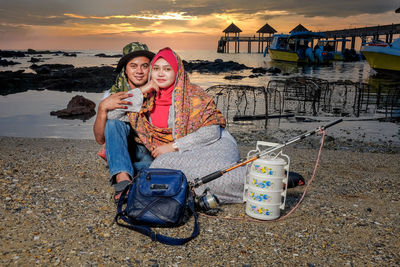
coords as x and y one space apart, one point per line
158 198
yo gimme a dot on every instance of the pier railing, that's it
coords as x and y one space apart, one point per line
364 31
246 39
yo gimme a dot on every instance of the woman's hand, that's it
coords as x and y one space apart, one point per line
115 101
163 149
149 87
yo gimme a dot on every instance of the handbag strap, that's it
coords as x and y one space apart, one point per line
149 232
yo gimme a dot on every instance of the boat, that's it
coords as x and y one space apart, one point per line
295 47
382 56
330 47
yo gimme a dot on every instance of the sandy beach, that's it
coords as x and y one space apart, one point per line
277 71
57 210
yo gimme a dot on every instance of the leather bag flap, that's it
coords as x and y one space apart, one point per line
160 182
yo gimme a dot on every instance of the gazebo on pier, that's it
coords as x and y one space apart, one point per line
299 28
236 31
264 29
223 42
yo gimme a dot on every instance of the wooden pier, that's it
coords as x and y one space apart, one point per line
375 32
223 43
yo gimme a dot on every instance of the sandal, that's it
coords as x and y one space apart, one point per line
119 188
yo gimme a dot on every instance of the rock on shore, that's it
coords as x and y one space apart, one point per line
58 77
11 53
215 66
56 210
78 106
5 62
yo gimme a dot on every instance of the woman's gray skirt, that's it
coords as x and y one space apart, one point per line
204 160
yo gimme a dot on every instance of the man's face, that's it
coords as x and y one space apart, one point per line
137 71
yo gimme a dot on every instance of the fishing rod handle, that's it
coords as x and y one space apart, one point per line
200 181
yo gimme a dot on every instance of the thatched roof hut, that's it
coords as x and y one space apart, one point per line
299 28
266 29
236 32
232 28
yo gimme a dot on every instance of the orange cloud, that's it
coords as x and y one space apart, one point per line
74 16
164 16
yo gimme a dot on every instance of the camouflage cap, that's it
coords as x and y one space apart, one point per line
132 50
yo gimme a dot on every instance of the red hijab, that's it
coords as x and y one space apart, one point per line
163 99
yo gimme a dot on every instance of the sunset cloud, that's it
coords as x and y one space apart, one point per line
74 16
165 16
157 20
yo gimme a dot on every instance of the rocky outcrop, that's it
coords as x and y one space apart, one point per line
215 66
7 53
39 52
218 66
265 70
35 60
66 54
59 77
104 55
234 77
10 53
78 107
51 68
5 62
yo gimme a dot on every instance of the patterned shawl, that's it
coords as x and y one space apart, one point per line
193 107
121 83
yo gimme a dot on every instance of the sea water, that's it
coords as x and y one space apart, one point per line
27 114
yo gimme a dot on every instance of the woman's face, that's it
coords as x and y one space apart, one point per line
162 73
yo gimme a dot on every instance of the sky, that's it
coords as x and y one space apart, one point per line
182 25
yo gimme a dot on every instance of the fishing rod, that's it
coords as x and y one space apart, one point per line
208 178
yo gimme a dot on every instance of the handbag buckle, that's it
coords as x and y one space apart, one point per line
159 186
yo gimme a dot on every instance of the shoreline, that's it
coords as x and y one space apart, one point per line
365 134
57 209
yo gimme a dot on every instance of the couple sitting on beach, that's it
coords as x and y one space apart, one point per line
154 117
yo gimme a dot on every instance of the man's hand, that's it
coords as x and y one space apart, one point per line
149 87
163 149
114 101
109 103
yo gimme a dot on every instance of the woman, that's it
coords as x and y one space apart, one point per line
181 126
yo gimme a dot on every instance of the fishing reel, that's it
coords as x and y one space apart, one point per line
207 203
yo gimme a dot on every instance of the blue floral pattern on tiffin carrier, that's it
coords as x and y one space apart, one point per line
263 184
262 169
259 197
259 210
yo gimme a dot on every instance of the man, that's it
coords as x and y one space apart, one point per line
124 156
